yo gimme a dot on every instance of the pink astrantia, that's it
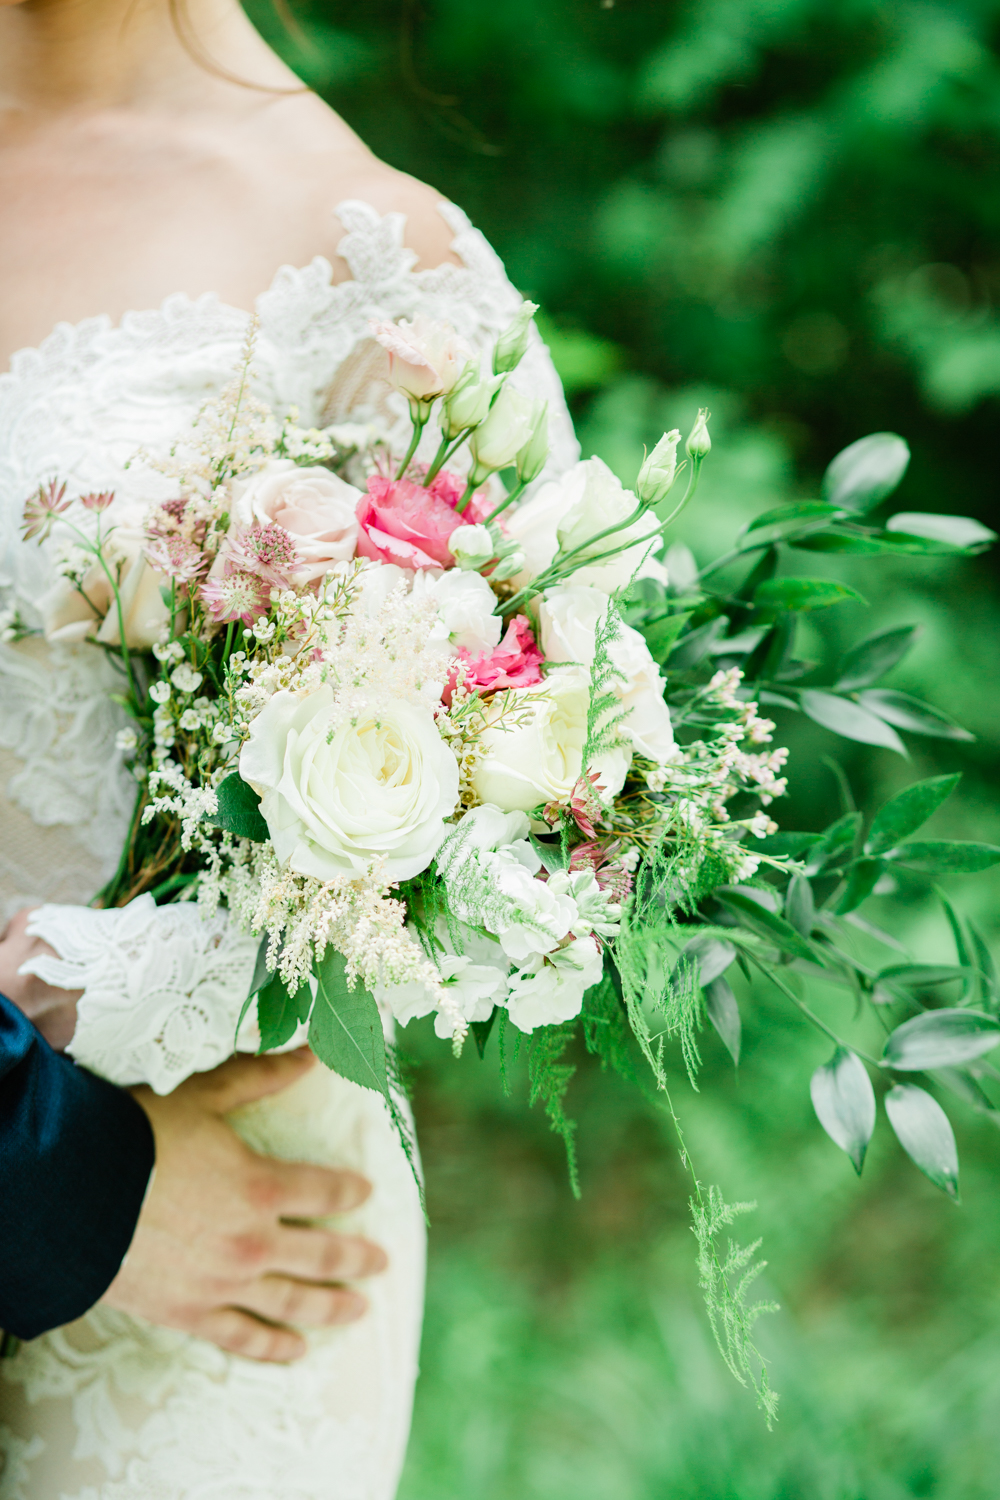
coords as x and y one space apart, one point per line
41 509
98 501
235 595
180 559
268 551
601 856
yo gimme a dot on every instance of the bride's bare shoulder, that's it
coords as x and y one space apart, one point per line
335 165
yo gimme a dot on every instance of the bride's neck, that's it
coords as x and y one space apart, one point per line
62 57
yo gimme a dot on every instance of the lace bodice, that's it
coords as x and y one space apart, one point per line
82 404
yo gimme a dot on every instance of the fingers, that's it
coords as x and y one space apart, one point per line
239 1332
293 1190
243 1078
283 1299
319 1255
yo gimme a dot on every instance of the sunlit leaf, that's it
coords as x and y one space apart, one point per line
844 1101
869 660
346 1031
925 1134
862 878
910 713
803 594
908 811
867 471
958 531
939 1039
833 841
803 510
661 634
944 856
724 1014
850 719
800 908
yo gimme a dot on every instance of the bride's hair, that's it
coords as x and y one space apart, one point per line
193 45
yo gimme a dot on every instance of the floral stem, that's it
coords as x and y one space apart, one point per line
515 494
470 490
419 423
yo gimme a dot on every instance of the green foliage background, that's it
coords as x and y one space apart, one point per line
788 210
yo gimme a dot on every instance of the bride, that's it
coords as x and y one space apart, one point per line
161 173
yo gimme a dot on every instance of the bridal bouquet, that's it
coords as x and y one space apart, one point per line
409 725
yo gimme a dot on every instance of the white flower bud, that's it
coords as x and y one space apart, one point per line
513 342
699 443
499 439
508 566
531 458
659 470
469 402
472 547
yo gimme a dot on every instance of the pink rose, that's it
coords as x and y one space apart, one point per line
405 523
515 663
311 504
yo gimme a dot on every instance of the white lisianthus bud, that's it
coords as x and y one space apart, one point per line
469 402
699 443
512 343
531 458
499 439
659 470
508 566
471 547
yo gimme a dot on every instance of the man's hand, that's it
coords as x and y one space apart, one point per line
51 1010
221 1248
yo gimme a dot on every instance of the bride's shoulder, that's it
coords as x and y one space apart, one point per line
334 165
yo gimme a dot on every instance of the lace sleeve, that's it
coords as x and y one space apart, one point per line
162 987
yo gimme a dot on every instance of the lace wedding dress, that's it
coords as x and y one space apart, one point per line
112 1408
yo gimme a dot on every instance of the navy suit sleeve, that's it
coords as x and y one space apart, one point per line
75 1159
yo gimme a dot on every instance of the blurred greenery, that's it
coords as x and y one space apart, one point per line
787 210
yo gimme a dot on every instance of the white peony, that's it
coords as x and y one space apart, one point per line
551 988
338 794
568 621
567 512
314 507
534 745
465 605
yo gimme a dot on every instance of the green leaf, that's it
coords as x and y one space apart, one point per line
481 1031
869 660
901 978
803 510
840 541
984 962
939 1039
833 841
550 854
792 844
925 1134
910 713
767 924
867 471
802 593
711 954
944 856
849 719
662 633
957 930
800 908
261 975
908 811
844 1101
279 1014
346 1031
724 1014
697 643
956 531
239 810
862 878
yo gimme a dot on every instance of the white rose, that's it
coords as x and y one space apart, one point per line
68 617
465 604
426 357
551 989
314 507
541 758
568 621
586 500
338 794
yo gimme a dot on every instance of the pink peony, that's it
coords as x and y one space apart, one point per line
405 523
515 663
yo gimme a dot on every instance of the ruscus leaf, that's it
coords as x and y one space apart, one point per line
939 1039
946 856
765 923
724 1014
833 842
908 811
800 908
713 956
925 1134
909 713
844 1101
850 719
870 659
802 593
862 878
956 531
